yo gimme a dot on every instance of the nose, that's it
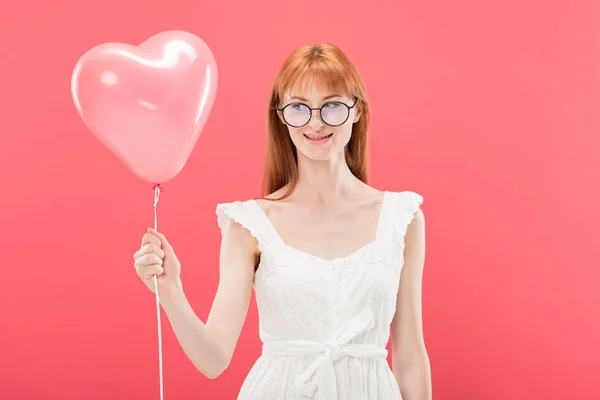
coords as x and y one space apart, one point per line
315 122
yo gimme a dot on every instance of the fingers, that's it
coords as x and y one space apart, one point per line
149 238
163 240
149 259
150 248
148 271
152 236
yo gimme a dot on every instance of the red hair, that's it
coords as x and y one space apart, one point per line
324 66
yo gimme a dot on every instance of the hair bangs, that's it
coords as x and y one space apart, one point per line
323 75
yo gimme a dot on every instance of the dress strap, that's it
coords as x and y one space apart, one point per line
267 227
385 225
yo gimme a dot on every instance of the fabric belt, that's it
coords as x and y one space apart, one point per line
329 352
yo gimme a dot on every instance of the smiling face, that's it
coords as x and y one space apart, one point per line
328 130
316 76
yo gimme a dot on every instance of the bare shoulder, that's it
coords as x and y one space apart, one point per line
236 231
416 226
418 221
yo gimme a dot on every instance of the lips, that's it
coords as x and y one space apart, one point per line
318 137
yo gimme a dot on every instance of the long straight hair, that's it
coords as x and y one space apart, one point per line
327 67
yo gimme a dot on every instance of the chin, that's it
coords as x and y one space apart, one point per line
319 154
319 157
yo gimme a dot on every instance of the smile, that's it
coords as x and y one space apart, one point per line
316 138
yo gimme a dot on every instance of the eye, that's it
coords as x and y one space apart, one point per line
333 105
296 106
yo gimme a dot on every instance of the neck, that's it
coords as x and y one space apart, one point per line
325 181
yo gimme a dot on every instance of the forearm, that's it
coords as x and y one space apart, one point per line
197 340
414 380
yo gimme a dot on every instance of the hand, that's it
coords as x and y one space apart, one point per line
157 257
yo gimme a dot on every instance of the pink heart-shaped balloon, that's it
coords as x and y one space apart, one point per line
149 103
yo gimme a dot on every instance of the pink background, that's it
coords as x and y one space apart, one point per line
490 110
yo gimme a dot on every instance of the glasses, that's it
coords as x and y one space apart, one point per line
333 113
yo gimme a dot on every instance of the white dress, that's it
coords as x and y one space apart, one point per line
324 324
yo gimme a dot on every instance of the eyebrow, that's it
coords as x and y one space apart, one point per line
324 98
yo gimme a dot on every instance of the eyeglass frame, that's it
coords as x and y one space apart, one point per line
320 112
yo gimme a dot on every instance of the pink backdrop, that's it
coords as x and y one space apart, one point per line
490 110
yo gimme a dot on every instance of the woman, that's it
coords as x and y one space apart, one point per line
336 265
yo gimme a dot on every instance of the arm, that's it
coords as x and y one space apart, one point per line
210 345
410 362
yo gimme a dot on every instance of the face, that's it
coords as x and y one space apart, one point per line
319 134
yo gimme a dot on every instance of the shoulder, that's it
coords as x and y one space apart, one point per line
406 212
409 197
237 217
416 224
411 217
233 205
406 202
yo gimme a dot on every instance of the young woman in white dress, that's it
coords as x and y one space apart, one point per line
336 265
